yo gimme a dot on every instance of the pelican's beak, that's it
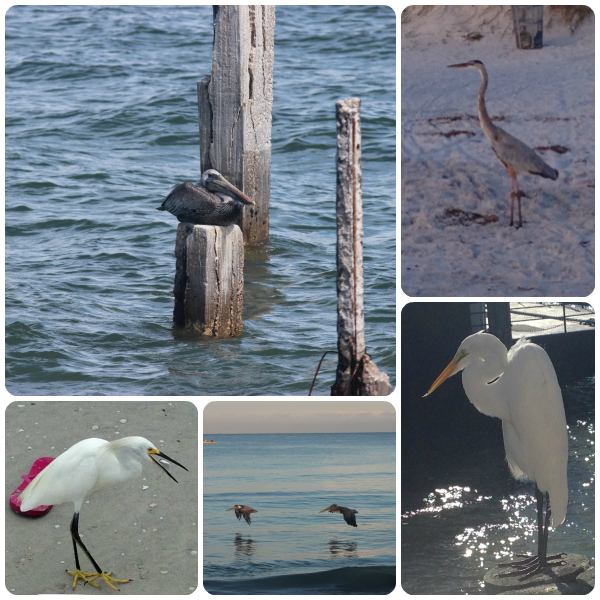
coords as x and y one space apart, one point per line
152 451
220 184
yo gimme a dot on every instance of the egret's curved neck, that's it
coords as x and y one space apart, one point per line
478 374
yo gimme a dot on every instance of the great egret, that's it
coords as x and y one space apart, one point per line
520 387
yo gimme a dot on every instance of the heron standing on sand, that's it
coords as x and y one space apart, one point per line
516 156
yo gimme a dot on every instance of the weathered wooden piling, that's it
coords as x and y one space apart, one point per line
234 109
234 106
356 374
209 279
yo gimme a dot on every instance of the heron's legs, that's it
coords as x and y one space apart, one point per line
514 191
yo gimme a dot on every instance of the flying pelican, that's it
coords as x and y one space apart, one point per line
516 156
211 201
347 512
242 511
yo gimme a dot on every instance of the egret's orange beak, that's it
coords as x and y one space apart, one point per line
447 372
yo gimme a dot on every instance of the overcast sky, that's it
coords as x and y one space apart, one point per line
284 416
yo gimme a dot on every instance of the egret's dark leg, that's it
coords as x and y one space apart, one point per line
543 537
77 540
78 573
533 565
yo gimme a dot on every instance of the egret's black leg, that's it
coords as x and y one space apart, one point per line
536 564
78 573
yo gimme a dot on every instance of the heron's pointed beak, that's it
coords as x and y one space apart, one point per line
459 66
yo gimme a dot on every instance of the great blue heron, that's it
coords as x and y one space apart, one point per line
242 511
516 156
347 512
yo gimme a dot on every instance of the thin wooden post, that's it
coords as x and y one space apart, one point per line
356 374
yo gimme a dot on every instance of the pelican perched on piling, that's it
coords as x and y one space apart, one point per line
211 201
242 511
347 512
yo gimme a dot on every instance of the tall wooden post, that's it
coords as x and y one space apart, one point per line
234 109
356 374
234 105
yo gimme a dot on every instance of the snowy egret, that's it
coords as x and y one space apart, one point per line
520 387
84 468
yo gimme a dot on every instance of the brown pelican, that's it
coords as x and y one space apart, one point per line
347 512
211 201
243 511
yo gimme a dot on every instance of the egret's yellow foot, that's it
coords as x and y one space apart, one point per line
91 577
77 574
107 578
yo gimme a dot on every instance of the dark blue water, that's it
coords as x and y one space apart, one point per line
101 123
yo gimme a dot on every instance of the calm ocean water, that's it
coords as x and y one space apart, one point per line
290 548
101 123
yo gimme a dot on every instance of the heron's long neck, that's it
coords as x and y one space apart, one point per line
484 119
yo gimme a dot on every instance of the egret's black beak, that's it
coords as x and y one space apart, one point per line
220 184
152 451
